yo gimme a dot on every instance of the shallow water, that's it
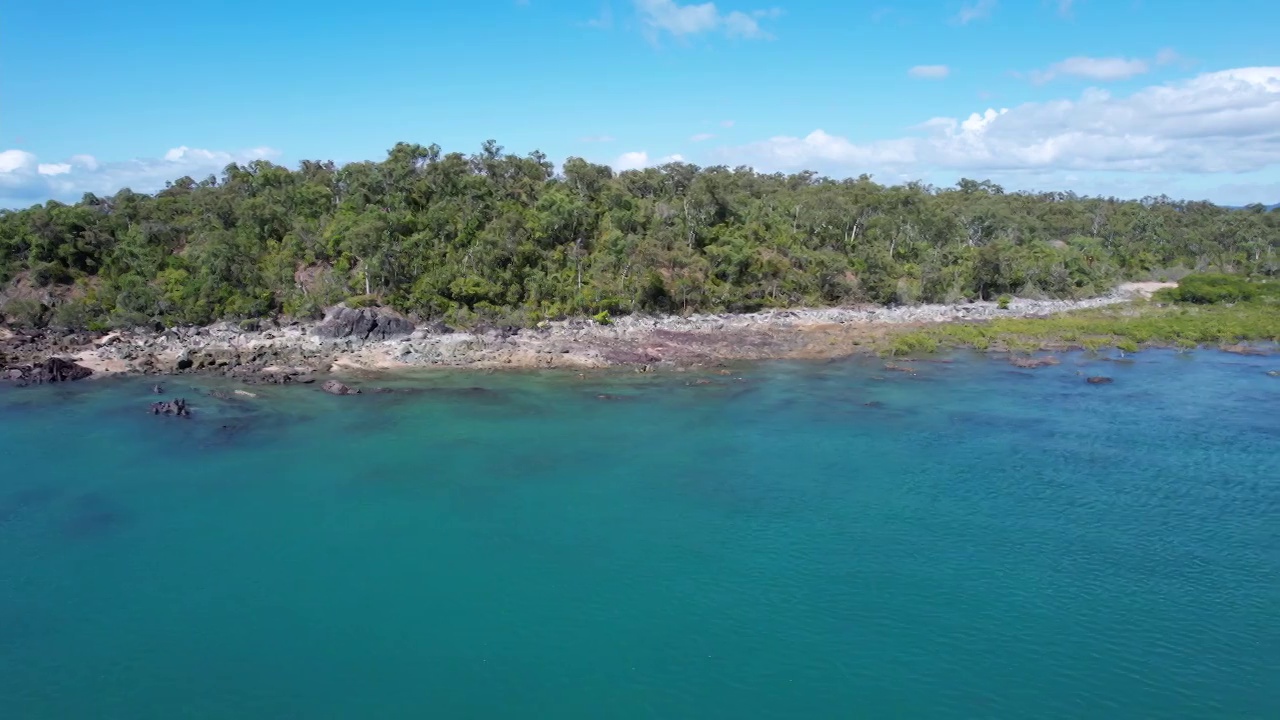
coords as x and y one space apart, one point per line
977 541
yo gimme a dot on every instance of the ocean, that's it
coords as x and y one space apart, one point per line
789 540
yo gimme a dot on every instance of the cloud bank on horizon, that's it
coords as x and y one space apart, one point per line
1211 134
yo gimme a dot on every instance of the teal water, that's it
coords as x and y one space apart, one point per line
984 543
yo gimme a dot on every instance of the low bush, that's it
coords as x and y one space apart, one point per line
1210 289
25 313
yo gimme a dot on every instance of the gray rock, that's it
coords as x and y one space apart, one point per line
333 387
362 324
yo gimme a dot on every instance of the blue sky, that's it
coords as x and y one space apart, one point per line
1126 97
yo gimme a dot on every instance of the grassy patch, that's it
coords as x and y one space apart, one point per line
1127 327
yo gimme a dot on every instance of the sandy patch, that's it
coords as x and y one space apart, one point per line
100 365
1143 289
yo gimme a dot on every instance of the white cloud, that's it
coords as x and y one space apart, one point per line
977 10
603 21
639 159
726 123
87 162
1167 56
24 180
1216 123
631 161
669 16
929 72
702 137
16 160
1101 69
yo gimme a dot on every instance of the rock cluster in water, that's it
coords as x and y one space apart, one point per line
333 387
177 407
51 370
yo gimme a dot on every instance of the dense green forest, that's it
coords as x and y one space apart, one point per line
503 238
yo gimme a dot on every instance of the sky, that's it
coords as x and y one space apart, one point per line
1117 97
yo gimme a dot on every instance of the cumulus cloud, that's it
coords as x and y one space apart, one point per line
977 10
1220 122
669 16
25 180
639 159
929 72
1102 69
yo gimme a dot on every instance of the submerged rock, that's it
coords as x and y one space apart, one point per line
1099 380
333 387
1033 362
363 324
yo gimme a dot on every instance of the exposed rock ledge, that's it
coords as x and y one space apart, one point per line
372 339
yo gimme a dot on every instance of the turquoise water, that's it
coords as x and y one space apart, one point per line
983 543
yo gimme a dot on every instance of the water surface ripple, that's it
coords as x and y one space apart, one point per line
809 541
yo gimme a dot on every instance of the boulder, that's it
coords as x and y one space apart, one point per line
362 324
333 387
1099 380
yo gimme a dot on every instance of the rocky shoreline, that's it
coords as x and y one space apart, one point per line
352 340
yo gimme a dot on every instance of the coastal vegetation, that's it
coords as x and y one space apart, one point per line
1214 310
512 240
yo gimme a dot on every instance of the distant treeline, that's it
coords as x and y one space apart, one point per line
505 238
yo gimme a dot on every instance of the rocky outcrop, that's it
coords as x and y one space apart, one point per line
1099 380
333 387
1243 349
176 407
362 324
54 369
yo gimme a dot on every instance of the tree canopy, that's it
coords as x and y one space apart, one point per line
506 238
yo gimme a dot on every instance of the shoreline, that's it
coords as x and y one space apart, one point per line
279 353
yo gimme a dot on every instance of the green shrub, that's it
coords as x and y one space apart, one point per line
602 318
73 315
1210 290
1003 302
25 313
361 301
